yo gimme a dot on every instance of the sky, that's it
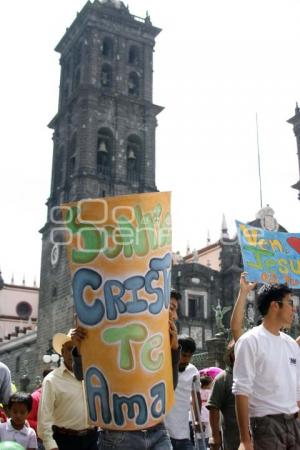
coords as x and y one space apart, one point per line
216 65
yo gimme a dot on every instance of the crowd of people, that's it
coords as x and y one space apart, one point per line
251 405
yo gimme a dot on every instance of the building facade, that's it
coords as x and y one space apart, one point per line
208 280
18 309
18 325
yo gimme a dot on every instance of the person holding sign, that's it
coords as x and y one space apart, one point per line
62 413
266 376
150 438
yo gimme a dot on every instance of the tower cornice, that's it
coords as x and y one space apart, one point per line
91 15
83 90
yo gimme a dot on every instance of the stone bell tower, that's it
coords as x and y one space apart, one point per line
103 133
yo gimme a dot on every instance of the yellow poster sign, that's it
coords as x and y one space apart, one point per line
119 250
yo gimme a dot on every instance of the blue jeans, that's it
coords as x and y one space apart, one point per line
200 444
40 445
155 438
182 444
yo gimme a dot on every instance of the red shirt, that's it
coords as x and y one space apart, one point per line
32 416
3 417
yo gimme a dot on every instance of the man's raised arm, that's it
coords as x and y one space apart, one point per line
237 317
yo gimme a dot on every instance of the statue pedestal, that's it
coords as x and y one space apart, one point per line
216 347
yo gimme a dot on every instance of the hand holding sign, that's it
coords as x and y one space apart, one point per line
173 335
77 335
245 285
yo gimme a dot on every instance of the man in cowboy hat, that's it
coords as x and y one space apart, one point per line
62 415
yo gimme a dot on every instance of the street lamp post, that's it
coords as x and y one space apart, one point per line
50 356
25 380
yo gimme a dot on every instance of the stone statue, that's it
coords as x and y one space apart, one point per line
219 314
267 219
250 314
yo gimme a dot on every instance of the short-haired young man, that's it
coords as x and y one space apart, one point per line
266 376
177 421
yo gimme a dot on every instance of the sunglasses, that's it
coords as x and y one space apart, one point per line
289 302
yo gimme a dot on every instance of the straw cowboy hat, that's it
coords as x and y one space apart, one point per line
59 339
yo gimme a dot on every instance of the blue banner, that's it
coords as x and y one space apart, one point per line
268 256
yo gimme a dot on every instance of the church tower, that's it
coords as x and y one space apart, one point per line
103 133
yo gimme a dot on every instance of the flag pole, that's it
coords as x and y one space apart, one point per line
258 159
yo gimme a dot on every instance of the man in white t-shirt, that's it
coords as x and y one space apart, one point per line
266 375
177 421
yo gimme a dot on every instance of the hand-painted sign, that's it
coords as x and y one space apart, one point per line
268 256
120 256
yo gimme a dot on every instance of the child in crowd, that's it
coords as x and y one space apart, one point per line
14 429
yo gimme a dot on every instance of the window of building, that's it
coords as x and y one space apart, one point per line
77 77
24 310
67 69
54 292
77 55
107 48
72 153
134 156
196 307
18 363
57 180
133 84
106 76
134 55
104 151
66 92
72 164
